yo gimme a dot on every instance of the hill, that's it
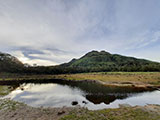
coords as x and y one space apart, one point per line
10 63
93 61
103 61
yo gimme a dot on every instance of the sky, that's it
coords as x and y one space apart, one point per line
51 32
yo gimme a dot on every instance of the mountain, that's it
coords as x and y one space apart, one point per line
10 63
104 61
93 61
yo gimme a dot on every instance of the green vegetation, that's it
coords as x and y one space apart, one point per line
4 90
7 104
103 61
9 63
124 113
91 62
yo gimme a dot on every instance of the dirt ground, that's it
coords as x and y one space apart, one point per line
11 110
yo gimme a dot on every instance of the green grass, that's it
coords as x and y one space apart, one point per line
7 104
126 113
4 90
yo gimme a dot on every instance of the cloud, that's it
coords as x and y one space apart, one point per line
55 31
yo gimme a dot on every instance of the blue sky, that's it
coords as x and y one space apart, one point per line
49 32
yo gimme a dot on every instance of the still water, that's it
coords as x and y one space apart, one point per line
90 95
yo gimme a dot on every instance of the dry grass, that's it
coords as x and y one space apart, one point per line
107 77
117 77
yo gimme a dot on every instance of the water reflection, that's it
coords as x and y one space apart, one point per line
47 95
90 95
107 99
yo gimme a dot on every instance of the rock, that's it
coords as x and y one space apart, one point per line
60 112
22 89
10 87
124 105
74 103
84 102
158 89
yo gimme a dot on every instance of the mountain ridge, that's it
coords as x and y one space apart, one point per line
9 63
93 61
106 61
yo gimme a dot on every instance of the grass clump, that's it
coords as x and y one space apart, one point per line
6 104
4 90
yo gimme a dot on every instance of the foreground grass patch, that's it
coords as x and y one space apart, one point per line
13 110
4 90
7 104
126 113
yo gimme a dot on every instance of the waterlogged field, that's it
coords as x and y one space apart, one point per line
117 77
108 77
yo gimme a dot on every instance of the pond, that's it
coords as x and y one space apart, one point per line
91 95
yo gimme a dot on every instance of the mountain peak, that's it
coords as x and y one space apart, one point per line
9 63
96 53
105 61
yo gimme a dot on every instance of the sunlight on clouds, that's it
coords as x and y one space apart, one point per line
77 27
24 59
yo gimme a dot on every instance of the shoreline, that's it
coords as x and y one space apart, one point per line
56 80
12 110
